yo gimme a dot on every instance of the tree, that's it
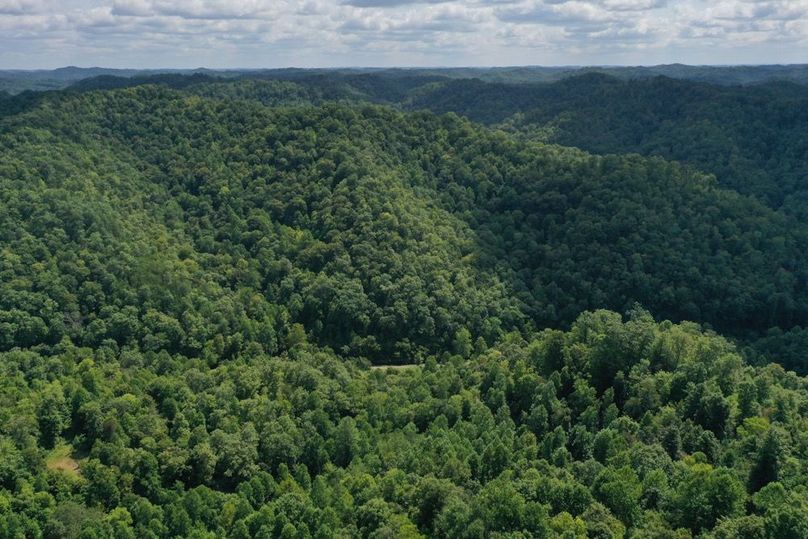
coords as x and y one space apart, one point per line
501 506
52 414
346 442
705 495
462 344
620 491
766 467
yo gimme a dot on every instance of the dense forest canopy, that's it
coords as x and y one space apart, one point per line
205 282
518 233
753 137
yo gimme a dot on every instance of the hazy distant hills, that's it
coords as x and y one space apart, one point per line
15 81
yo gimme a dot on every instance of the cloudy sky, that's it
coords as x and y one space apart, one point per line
311 33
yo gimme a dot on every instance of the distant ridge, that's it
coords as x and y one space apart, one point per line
16 80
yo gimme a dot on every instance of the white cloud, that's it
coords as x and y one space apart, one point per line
389 3
266 33
23 7
197 9
633 5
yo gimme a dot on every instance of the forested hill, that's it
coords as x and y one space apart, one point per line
195 279
753 138
383 233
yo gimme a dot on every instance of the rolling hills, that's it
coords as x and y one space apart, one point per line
197 275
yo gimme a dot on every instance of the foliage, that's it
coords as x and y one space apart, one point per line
306 441
197 279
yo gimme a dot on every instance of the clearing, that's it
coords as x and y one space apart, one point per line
61 459
394 367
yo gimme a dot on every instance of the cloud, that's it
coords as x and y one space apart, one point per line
556 13
196 9
389 3
267 33
605 17
749 22
22 7
781 10
633 5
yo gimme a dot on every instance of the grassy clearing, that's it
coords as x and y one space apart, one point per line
393 367
61 459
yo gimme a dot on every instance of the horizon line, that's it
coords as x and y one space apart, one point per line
409 67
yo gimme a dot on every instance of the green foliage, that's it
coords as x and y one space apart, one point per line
705 495
217 223
751 137
306 440
196 282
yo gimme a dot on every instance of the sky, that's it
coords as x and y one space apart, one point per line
44 34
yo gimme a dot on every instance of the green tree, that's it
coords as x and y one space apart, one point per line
705 495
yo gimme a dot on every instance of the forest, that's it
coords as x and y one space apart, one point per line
404 304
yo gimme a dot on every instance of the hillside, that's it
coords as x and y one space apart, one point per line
751 138
197 276
379 231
